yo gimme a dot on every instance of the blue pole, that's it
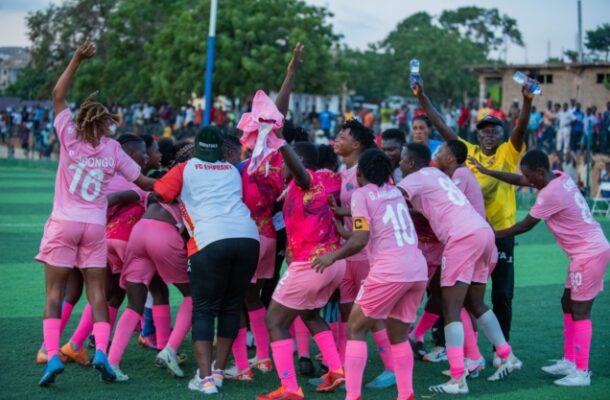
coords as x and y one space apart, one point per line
209 67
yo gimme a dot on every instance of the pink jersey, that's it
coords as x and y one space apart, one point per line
309 222
84 173
465 180
567 215
434 194
332 183
261 189
349 183
392 246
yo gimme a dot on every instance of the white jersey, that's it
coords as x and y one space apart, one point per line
211 195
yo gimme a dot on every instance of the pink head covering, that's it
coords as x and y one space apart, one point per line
259 128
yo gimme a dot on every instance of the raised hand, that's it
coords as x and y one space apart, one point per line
85 50
417 88
296 60
526 93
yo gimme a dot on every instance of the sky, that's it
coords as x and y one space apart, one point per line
367 21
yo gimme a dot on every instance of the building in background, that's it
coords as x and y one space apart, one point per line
12 61
584 82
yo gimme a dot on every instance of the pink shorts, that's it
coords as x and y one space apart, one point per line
116 254
396 300
356 272
586 276
155 247
482 272
468 257
266 259
73 244
302 288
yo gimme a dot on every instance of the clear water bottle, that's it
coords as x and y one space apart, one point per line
414 72
531 84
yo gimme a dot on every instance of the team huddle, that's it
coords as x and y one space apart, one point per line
369 233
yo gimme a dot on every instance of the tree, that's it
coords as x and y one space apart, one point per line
485 26
56 31
156 50
443 55
571 55
598 40
253 45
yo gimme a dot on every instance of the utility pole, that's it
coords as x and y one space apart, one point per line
209 63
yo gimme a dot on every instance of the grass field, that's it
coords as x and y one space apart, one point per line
26 193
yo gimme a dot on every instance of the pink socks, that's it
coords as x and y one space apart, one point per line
101 331
260 332
455 356
66 313
426 322
50 333
471 348
568 338
583 330
383 347
328 348
284 364
355 361
182 324
240 350
85 325
127 324
163 324
301 334
403 367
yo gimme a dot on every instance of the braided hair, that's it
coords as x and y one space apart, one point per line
184 151
93 120
375 166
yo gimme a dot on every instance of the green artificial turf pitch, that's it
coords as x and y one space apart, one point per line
26 191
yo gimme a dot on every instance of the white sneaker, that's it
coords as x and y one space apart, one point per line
509 365
453 386
262 364
218 375
167 358
205 385
120 376
234 374
437 354
474 367
576 378
561 367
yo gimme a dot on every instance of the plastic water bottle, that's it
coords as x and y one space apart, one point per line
531 84
414 72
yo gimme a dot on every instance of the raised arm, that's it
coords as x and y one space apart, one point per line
520 227
513 179
295 166
518 135
283 97
60 91
435 119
